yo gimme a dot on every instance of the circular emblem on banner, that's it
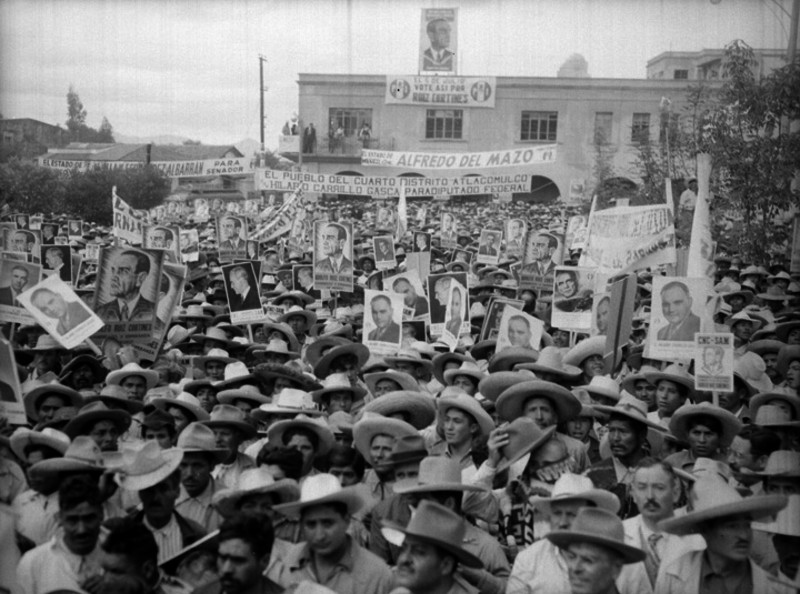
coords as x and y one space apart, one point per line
481 91
400 89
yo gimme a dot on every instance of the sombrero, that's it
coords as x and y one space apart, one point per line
146 467
631 408
93 412
551 360
467 368
510 357
402 379
289 401
679 423
441 360
674 373
31 399
317 426
225 415
372 424
116 377
468 405
571 487
494 384
524 436
600 527
248 393
418 408
510 404
321 369
22 438
184 401
255 481
436 474
321 489
338 382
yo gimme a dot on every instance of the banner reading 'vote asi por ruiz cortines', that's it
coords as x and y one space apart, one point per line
383 187
517 157
442 91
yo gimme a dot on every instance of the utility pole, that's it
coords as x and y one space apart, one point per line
261 90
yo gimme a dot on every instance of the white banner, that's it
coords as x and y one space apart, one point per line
629 238
445 92
202 168
518 157
385 187
127 224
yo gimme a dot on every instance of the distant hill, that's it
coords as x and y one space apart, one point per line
162 139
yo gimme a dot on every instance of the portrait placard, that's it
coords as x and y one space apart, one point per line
303 278
601 309
15 277
23 241
385 258
542 254
22 221
56 307
678 313
385 219
91 252
456 317
11 404
190 245
413 331
494 314
50 230
165 238
232 237
383 318
75 228
333 256
170 294
56 260
448 230
518 329
713 362
489 246
409 285
438 292
438 40
516 229
573 289
242 289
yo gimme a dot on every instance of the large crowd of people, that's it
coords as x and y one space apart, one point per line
285 456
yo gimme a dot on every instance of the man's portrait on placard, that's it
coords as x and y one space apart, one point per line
455 313
385 218
231 234
439 292
678 312
542 253
128 281
489 246
383 318
448 229
57 259
515 236
241 287
22 221
333 256
190 245
438 40
601 309
385 258
409 286
49 231
15 279
303 278
22 241
518 329
60 311
75 228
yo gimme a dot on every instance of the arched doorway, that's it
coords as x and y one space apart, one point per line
543 191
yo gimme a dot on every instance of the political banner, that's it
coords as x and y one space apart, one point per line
678 313
196 168
19 275
489 246
518 329
438 40
383 317
441 91
11 405
629 238
389 187
128 287
242 288
713 362
517 157
573 290
128 225
333 256
56 307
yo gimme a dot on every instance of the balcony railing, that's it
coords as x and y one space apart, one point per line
348 146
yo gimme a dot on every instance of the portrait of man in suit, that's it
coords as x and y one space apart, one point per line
386 329
439 56
162 237
333 261
516 235
230 230
75 228
456 316
129 270
23 221
384 249
449 232
422 242
69 314
57 258
410 298
49 232
490 244
21 241
19 280
541 248
712 360
242 294
676 305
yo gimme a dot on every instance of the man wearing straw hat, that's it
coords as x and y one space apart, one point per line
431 553
596 552
723 518
329 556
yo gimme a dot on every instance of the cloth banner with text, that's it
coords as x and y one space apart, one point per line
517 157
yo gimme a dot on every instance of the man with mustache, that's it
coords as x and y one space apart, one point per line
128 272
656 489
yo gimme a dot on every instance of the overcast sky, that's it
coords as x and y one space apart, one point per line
190 68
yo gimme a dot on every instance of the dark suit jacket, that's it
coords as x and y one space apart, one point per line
190 530
391 334
487 250
6 296
228 246
684 332
144 311
76 315
250 301
326 267
420 306
429 61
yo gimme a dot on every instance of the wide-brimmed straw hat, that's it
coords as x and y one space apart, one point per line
337 382
276 346
786 355
23 437
437 525
680 421
600 527
781 463
509 358
186 402
631 408
468 368
417 408
316 425
289 401
82 455
771 416
714 499
551 360
321 489
759 400
98 370
629 383
572 487
442 359
226 415
604 386
787 522
511 402
116 377
496 383
322 368
674 373
198 438
409 356
524 436
215 334
93 412
408 449
402 379
32 399
219 355
436 473
586 348
304 298
372 424
114 396
255 481
468 405
147 466
248 393
296 310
